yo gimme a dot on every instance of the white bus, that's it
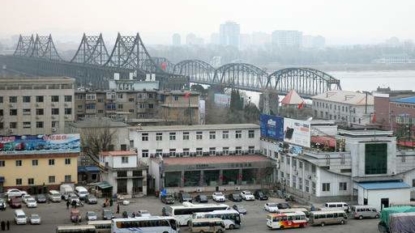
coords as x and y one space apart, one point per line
208 225
183 213
328 217
286 220
101 226
152 224
75 229
231 218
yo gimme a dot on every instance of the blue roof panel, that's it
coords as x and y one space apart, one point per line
384 185
409 100
88 169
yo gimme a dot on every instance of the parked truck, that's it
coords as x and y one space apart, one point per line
397 220
66 190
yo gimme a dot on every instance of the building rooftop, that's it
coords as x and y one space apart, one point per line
215 159
195 127
118 153
384 185
345 97
25 80
407 100
98 122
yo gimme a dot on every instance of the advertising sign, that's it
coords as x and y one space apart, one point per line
297 132
37 144
272 127
222 100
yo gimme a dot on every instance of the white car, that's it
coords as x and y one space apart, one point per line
15 193
25 197
271 207
218 197
247 196
143 213
35 219
31 202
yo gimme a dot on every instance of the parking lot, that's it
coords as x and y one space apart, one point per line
54 214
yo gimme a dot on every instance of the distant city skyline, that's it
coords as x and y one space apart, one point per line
340 22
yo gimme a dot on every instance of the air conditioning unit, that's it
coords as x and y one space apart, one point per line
53 105
66 105
11 105
37 105
11 131
37 118
237 188
53 117
66 117
309 177
199 190
53 129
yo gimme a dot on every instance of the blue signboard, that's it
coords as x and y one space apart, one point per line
37 144
272 127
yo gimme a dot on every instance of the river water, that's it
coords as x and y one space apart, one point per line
371 80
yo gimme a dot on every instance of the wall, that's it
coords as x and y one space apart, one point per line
394 195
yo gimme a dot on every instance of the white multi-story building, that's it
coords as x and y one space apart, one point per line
349 107
204 156
36 105
286 39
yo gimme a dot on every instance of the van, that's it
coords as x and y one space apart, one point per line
323 218
54 196
20 217
213 225
338 205
66 190
362 211
82 192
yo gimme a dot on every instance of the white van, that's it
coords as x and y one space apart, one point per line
82 192
364 211
337 205
54 196
20 217
211 225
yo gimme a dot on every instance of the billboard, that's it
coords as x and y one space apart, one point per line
297 132
272 127
222 100
38 144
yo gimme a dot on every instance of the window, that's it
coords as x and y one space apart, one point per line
376 155
13 125
68 111
326 187
26 99
13 99
159 152
2 163
13 112
199 136
238 150
172 136
39 124
186 151
1 99
18 163
307 186
68 98
39 99
31 181
120 106
51 162
172 152
212 150
159 136
51 179
251 134
343 186
26 111
26 125
300 164
144 137
212 135
313 187
199 151
150 106
68 178
67 161
124 159
54 98
39 112
251 149
225 150
288 160
55 111
1 112
176 98
18 181
144 153
185 135
238 134
225 134
35 162
413 180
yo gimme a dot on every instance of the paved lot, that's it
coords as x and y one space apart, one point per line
55 214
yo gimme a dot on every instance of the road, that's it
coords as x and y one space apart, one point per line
55 214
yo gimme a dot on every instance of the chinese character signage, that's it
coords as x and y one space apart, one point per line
36 144
272 127
297 132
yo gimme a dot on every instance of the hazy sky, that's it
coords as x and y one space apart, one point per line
340 21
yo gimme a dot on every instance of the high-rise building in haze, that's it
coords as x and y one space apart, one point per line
214 38
229 33
177 40
192 39
313 42
286 39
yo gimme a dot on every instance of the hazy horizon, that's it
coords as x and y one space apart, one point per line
340 22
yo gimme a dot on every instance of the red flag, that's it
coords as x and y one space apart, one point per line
373 118
187 95
163 65
301 105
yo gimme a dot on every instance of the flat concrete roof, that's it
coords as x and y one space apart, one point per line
195 127
215 159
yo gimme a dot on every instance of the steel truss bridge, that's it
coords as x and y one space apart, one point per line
93 65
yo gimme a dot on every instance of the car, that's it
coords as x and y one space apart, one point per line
247 196
73 198
218 197
167 199
25 197
15 193
236 197
91 199
283 205
41 198
15 202
35 219
31 202
259 195
201 198
240 209
271 207
91 215
185 197
3 204
107 214
143 213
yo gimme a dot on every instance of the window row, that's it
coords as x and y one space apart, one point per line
51 180
35 162
199 152
38 99
199 135
38 111
334 107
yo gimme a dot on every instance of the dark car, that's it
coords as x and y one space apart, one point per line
259 195
283 205
185 197
167 199
240 209
107 214
41 198
201 198
91 199
236 197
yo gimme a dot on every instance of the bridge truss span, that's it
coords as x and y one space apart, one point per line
242 76
198 71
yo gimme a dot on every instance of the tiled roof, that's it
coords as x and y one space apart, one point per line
292 98
118 153
345 97
215 159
